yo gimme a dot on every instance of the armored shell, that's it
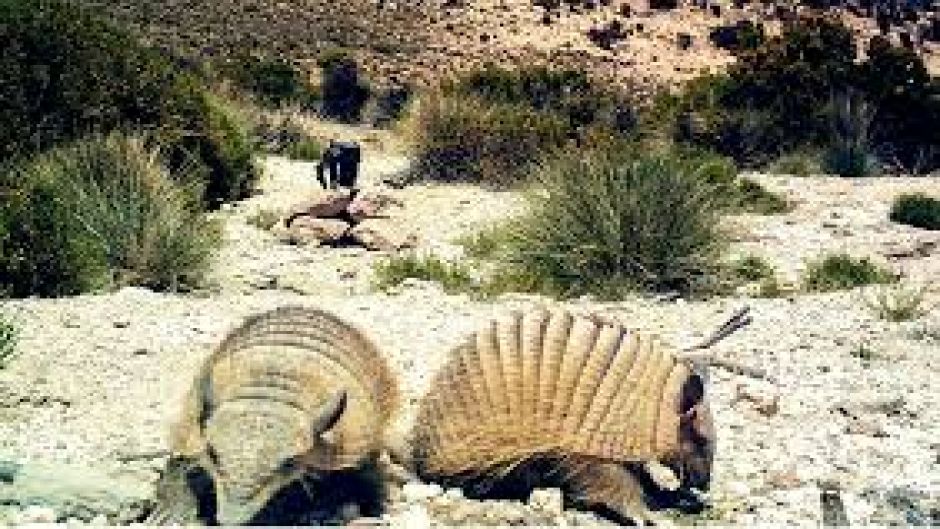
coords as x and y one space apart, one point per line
291 393
540 385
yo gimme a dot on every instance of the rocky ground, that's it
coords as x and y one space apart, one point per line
855 400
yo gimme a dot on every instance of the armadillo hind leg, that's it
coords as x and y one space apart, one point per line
609 486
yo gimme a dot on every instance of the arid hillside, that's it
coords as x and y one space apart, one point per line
624 41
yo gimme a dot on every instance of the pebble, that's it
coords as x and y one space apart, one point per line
549 501
415 492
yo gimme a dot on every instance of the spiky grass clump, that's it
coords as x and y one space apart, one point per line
898 303
850 152
609 221
453 277
841 271
916 209
101 212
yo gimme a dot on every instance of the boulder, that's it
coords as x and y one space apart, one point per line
315 231
66 491
383 236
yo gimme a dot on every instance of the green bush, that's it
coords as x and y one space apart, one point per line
68 73
453 277
468 139
841 271
343 92
565 94
746 115
273 80
613 220
753 268
916 209
101 212
8 338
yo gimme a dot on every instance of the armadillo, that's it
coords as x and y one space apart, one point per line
292 393
603 412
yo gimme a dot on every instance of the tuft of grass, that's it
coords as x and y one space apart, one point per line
841 271
865 353
8 339
755 198
264 219
917 210
757 270
753 268
898 303
101 212
609 221
453 277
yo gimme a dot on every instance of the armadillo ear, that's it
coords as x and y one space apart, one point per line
330 412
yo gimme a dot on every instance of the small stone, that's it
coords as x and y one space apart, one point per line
37 514
416 492
122 324
549 501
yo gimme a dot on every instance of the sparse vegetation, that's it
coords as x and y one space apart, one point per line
453 277
897 303
99 213
916 209
628 221
842 271
8 339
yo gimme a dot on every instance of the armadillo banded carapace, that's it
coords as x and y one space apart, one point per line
544 385
291 393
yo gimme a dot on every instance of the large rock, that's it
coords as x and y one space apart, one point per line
314 232
71 491
382 235
327 205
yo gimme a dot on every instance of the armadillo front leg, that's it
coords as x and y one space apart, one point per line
608 485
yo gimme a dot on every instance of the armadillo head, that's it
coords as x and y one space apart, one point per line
252 456
697 439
